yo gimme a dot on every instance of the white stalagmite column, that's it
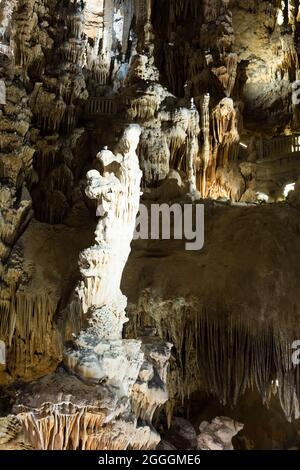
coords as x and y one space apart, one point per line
100 351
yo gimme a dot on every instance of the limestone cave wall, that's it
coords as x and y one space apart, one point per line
104 102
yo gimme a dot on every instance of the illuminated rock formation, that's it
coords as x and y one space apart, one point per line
195 100
224 343
218 434
128 377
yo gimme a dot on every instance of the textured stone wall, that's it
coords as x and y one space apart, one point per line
207 83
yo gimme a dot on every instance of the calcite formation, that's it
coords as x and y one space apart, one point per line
117 194
191 102
223 341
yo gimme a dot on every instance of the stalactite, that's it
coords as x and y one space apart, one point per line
49 110
211 10
226 354
5 318
10 167
128 11
290 61
143 108
7 8
172 145
26 155
140 11
75 24
61 179
31 331
72 51
192 154
218 434
99 71
108 28
46 157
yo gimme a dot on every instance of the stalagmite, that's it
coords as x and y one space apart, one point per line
108 27
99 355
228 354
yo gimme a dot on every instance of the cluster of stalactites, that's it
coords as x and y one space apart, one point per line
175 146
226 354
290 60
26 327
